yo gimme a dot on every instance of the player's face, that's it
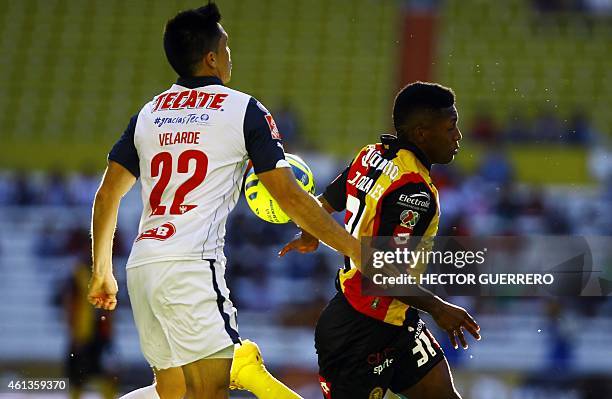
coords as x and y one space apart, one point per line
224 57
444 136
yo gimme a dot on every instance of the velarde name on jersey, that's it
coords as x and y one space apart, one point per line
170 138
188 99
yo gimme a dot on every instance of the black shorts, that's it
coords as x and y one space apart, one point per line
361 357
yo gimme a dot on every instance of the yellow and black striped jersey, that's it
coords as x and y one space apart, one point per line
386 191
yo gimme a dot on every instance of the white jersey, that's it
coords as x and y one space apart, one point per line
190 146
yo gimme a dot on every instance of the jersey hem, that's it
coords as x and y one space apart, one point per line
157 259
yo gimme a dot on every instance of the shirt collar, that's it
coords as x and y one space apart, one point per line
192 82
393 142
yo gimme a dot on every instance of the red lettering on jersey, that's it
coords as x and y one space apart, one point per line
188 99
177 103
217 101
160 233
179 138
273 129
159 100
204 99
168 100
191 101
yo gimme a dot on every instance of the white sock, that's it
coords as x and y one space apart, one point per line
143 393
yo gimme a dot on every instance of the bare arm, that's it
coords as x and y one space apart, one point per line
116 182
451 318
304 242
307 213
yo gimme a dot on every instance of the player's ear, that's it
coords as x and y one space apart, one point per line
419 133
210 60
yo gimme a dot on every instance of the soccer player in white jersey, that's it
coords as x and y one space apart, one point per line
189 146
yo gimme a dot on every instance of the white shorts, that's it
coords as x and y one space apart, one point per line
182 311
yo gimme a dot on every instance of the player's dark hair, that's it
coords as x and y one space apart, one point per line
419 99
189 36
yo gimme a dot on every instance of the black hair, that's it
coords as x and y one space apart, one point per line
419 99
189 36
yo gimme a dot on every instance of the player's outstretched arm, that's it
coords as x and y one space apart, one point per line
304 242
116 182
307 213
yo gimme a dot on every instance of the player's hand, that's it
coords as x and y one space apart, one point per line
102 292
453 319
303 243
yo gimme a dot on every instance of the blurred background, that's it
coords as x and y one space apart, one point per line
533 80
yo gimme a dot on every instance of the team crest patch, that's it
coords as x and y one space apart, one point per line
273 129
377 393
409 218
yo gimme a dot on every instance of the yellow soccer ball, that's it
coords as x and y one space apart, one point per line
261 202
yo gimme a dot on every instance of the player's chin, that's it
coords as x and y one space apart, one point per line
448 159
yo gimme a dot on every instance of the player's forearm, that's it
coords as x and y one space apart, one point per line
307 213
103 223
326 205
423 300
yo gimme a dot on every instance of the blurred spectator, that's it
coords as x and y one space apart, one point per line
23 192
484 129
90 335
55 191
495 167
516 129
561 333
50 241
288 125
82 187
547 127
580 131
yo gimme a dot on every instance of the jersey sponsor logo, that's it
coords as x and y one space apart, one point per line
374 159
179 138
160 233
378 370
273 129
409 218
420 201
199 119
188 99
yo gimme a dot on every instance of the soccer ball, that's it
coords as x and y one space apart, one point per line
261 202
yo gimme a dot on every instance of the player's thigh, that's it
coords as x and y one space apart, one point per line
170 383
208 378
436 384
355 352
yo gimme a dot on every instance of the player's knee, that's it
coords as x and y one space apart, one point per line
201 390
167 390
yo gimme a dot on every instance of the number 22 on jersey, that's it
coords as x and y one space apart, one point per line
162 166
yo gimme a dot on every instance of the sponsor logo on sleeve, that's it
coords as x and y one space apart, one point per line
418 201
273 129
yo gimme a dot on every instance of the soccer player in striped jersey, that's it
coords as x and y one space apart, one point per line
189 146
367 344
